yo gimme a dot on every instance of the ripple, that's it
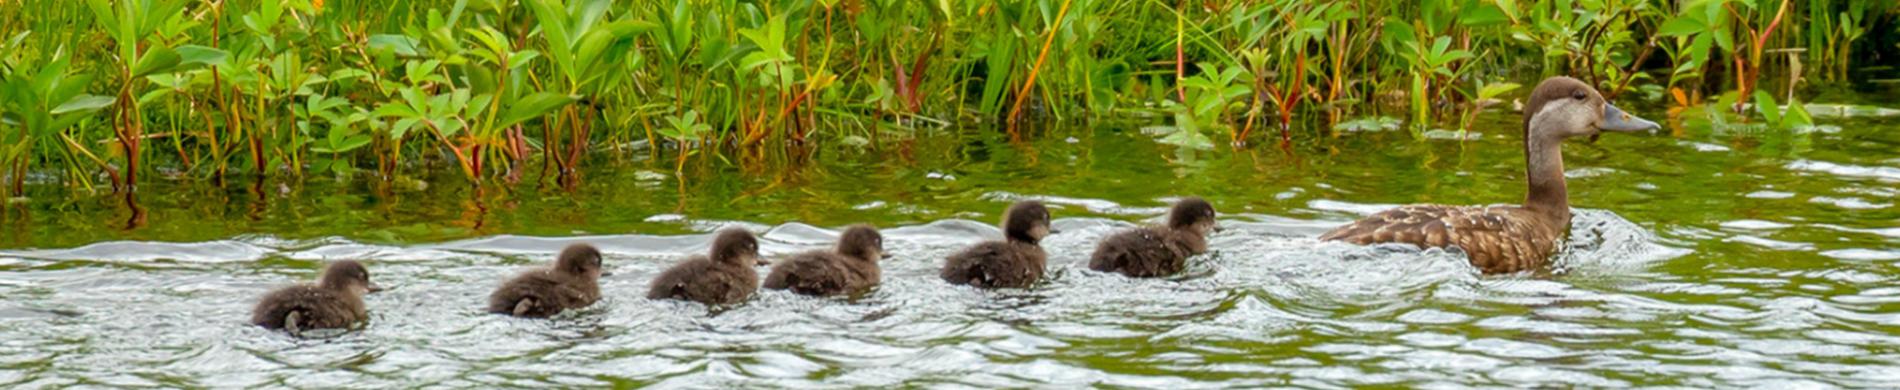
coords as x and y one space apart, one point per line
1269 306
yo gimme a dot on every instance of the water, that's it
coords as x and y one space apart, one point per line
1702 258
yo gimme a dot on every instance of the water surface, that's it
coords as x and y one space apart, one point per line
1702 258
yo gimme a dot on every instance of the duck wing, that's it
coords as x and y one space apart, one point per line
1497 239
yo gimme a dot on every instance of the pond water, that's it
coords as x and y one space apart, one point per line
1698 258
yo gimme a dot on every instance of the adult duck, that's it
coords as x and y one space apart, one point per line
1505 239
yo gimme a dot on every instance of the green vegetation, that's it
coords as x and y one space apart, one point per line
206 89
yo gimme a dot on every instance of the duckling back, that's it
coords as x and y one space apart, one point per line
308 306
1147 252
822 273
542 292
996 264
700 279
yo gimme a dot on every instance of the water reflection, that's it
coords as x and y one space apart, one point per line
1703 260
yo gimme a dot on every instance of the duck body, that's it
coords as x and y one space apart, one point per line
1158 250
1015 262
821 273
1147 252
308 306
725 277
1507 239
335 301
851 267
1497 239
996 264
573 282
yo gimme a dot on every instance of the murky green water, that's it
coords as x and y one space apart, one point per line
1703 259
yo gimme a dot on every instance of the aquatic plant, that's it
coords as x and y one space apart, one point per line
284 88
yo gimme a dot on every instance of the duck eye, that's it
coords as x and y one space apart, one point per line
1579 95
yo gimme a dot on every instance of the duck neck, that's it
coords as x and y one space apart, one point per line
1544 169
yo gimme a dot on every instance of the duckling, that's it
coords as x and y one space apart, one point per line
851 267
1506 239
573 282
335 301
1158 250
725 277
1013 263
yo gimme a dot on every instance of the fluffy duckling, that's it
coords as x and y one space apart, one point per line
573 282
725 277
1015 262
1158 250
335 301
850 268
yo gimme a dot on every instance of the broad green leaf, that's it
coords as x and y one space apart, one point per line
1765 104
532 106
156 59
201 55
1682 26
84 103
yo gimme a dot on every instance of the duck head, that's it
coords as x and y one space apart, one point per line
862 242
1193 214
1027 221
736 246
580 259
1564 107
349 276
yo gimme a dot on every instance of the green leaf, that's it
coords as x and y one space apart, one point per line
1494 90
1797 116
401 45
532 106
157 59
84 103
1765 104
1682 26
200 55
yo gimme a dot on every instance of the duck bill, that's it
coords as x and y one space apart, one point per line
375 288
1614 119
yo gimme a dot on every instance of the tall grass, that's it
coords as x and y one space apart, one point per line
292 88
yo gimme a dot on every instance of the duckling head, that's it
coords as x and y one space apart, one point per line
862 242
1193 214
735 246
1027 221
349 276
1565 107
580 259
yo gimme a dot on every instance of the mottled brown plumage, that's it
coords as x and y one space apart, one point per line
1503 239
1015 262
724 277
573 282
335 301
849 268
1158 250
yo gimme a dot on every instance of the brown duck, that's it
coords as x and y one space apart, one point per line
849 268
1504 239
1158 250
573 282
1015 262
335 301
724 277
